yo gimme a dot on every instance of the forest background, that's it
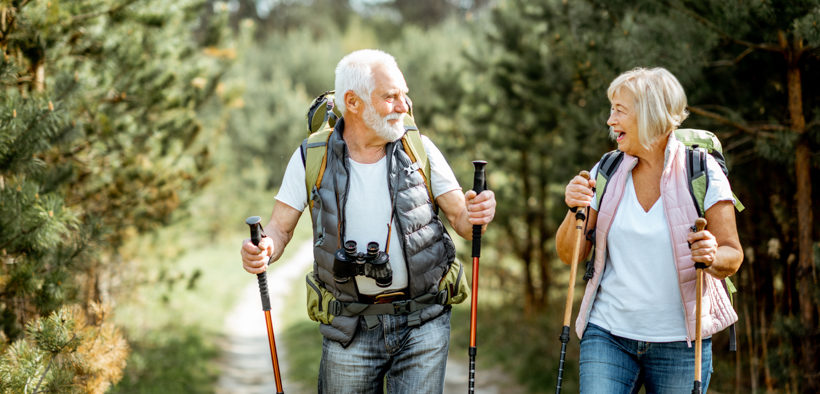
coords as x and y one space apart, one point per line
136 136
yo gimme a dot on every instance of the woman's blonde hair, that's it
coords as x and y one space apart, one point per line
660 102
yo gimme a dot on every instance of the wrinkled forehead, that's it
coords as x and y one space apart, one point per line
389 78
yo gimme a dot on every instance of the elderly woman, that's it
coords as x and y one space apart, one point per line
637 317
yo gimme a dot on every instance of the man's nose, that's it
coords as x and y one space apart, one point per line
401 106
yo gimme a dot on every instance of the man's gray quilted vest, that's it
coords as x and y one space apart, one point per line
428 249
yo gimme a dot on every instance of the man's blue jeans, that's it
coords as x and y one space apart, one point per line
412 358
612 364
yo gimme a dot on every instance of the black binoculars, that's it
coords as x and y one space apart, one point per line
373 264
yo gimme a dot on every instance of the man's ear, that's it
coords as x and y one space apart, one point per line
353 103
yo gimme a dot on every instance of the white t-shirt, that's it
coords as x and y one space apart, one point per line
368 207
639 296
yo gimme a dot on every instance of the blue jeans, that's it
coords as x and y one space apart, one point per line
412 358
612 364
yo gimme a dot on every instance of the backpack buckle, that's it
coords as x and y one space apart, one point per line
334 308
412 168
401 307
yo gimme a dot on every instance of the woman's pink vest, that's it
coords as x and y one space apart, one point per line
717 312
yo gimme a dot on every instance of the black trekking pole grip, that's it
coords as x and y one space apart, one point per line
479 185
255 223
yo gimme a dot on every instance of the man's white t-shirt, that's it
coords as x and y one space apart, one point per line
368 209
639 296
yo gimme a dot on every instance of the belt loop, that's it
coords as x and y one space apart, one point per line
372 321
414 319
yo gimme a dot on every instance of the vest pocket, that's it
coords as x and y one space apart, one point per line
318 300
453 287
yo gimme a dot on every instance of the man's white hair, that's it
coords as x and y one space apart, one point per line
355 73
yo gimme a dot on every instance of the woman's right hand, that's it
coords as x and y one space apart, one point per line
255 258
579 192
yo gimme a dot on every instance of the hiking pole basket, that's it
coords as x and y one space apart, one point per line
256 235
580 217
700 224
479 184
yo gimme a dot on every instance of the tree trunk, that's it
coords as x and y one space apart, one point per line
526 252
543 231
802 171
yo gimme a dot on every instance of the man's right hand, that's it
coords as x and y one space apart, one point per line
255 259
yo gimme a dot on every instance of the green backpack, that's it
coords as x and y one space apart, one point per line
698 144
322 117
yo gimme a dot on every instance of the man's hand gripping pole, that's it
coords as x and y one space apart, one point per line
256 235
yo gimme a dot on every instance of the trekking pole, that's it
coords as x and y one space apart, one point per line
479 184
580 217
700 224
256 235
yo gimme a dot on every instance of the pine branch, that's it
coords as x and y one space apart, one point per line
711 26
762 130
92 15
43 376
50 363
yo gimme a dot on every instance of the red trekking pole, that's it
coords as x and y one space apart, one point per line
256 235
700 224
479 184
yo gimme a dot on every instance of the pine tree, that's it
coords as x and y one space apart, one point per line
531 102
761 74
99 140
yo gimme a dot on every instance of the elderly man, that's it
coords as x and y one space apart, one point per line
369 192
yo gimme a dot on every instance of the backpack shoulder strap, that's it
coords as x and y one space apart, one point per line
698 177
413 146
314 157
606 168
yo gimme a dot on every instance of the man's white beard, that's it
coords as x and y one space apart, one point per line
382 126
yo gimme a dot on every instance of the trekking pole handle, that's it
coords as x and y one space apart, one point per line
700 224
255 224
479 185
579 213
479 180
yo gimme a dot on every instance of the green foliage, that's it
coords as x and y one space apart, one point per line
532 101
101 139
177 361
64 353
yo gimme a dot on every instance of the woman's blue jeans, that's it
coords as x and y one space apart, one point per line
412 358
612 364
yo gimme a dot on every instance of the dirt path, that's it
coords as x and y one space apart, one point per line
245 361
